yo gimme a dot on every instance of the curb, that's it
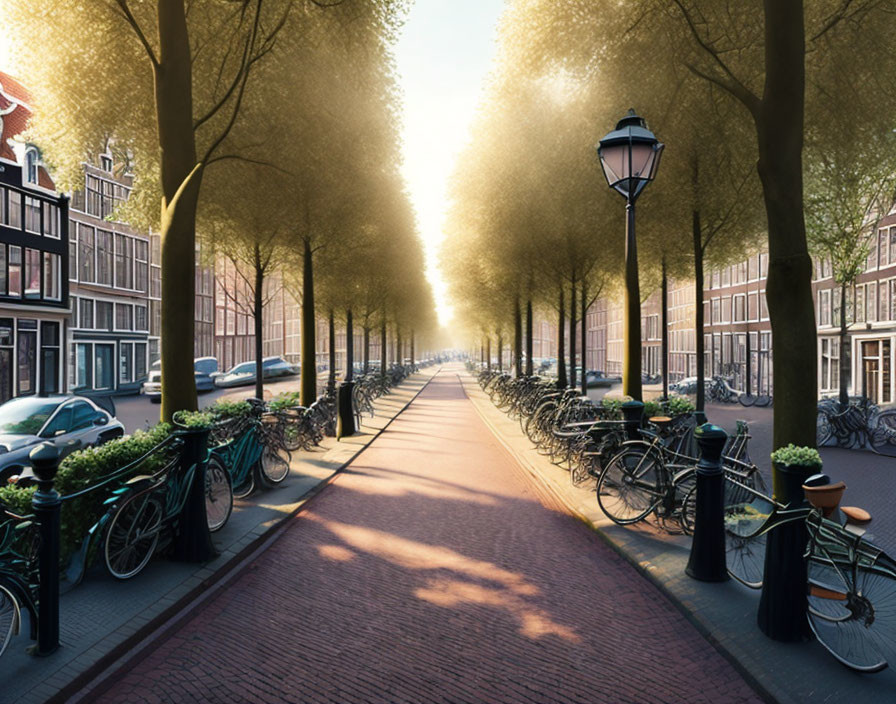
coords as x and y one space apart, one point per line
99 677
644 568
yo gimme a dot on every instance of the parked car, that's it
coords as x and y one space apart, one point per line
205 371
70 422
244 374
596 379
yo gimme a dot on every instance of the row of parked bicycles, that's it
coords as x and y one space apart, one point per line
140 507
640 469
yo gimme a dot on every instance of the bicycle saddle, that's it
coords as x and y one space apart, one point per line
826 496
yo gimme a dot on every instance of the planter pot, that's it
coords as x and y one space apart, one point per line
788 480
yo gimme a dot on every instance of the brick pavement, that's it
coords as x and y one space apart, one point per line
435 570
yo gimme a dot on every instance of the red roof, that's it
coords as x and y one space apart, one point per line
14 93
14 89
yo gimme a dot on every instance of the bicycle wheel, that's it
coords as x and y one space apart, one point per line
762 400
133 535
687 489
10 616
823 429
274 462
745 517
246 486
218 495
854 617
629 486
746 399
291 435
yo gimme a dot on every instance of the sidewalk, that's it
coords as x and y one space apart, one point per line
103 617
725 613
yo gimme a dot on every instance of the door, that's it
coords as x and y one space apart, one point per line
871 370
26 359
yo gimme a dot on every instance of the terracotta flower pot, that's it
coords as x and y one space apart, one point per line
826 498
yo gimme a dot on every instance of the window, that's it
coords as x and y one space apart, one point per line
14 278
50 358
753 268
139 360
73 257
124 316
739 309
85 313
871 301
15 210
83 377
125 363
32 215
83 415
92 186
883 246
830 364
231 322
726 276
32 273
141 265
860 304
155 282
763 266
107 205
26 356
106 162
893 245
31 164
871 261
763 306
716 311
883 309
52 283
86 253
104 257
103 315
726 309
140 320
2 271
823 311
124 257
103 364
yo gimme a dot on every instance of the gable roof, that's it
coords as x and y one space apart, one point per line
15 111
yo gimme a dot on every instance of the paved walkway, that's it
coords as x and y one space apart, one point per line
434 570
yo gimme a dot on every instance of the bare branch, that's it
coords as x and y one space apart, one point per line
131 20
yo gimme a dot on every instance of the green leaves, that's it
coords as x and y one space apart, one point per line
794 456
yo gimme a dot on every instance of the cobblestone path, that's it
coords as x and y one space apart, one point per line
434 570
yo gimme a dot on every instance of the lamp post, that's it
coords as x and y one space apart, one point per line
630 156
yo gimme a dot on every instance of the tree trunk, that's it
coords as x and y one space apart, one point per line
331 376
665 332
584 337
779 126
399 352
308 385
529 368
561 347
844 352
181 178
488 352
366 348
383 341
517 338
349 347
500 352
257 305
413 351
698 312
572 332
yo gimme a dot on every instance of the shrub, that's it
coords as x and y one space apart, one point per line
678 405
195 420
224 408
613 405
653 408
287 399
794 456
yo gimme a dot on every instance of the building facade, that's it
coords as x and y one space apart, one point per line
34 295
109 275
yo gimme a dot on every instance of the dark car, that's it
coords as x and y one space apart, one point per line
205 371
70 422
244 374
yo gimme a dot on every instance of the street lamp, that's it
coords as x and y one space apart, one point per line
630 156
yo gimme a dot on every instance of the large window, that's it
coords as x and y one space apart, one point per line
830 364
86 253
32 273
92 187
124 316
31 164
124 257
15 210
126 363
32 215
824 307
141 321
141 265
2 271
85 313
50 357
103 315
51 220
73 254
52 283
104 257
104 367
14 279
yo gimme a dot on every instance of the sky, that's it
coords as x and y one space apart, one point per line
443 57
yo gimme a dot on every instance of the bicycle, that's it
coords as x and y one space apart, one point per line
19 546
657 475
851 583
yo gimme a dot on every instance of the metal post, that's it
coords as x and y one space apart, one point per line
47 503
345 411
194 541
631 320
707 560
632 412
782 606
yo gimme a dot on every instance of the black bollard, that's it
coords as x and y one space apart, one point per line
707 560
193 542
47 505
782 606
345 410
632 413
